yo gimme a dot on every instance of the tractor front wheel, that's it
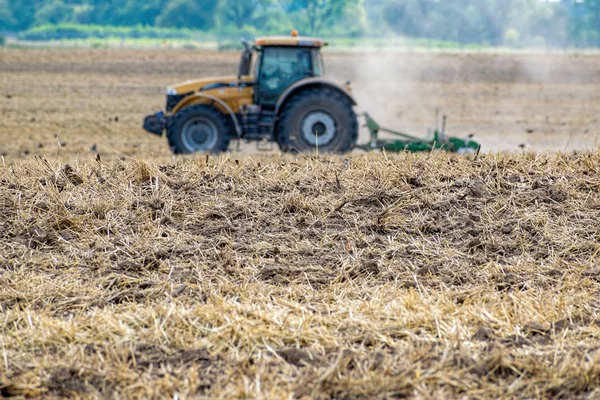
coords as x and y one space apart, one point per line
199 128
318 118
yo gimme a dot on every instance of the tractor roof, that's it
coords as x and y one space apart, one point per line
289 41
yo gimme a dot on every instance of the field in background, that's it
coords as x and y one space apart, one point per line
98 97
144 36
141 275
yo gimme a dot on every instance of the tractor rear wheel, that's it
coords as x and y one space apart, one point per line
318 118
199 128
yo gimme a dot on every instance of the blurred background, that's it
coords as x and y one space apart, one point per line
432 23
78 76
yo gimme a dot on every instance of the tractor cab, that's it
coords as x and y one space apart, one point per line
275 63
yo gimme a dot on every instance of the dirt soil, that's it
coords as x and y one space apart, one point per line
96 98
426 276
128 273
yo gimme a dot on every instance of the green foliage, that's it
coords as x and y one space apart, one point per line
242 13
83 14
492 22
317 15
516 23
199 14
497 22
23 13
55 12
73 31
7 20
584 22
511 37
122 12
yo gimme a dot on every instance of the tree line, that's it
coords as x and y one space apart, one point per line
497 22
488 22
272 16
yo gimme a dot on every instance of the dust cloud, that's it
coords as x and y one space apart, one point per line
509 101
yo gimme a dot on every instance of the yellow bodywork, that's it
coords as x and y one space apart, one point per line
235 96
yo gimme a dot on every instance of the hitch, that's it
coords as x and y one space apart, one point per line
415 144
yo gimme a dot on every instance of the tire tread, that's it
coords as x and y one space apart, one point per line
177 121
331 95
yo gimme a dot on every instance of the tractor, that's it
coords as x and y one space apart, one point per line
279 95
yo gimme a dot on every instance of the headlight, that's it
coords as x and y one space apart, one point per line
171 92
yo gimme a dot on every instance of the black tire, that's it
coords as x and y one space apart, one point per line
199 128
317 110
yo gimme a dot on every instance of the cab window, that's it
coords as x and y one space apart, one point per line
317 60
280 67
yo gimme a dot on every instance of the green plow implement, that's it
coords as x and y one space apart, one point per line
414 144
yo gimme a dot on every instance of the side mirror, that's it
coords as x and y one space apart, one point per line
245 60
247 46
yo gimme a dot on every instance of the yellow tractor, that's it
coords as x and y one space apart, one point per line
278 95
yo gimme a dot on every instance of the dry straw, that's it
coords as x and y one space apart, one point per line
430 276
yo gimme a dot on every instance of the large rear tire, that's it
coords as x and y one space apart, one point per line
199 128
320 118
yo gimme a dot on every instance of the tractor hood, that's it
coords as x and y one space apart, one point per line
206 84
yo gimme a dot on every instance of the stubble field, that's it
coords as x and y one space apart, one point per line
141 275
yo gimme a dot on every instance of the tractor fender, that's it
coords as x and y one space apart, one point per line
191 100
306 83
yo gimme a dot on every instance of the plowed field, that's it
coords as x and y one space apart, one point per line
140 275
